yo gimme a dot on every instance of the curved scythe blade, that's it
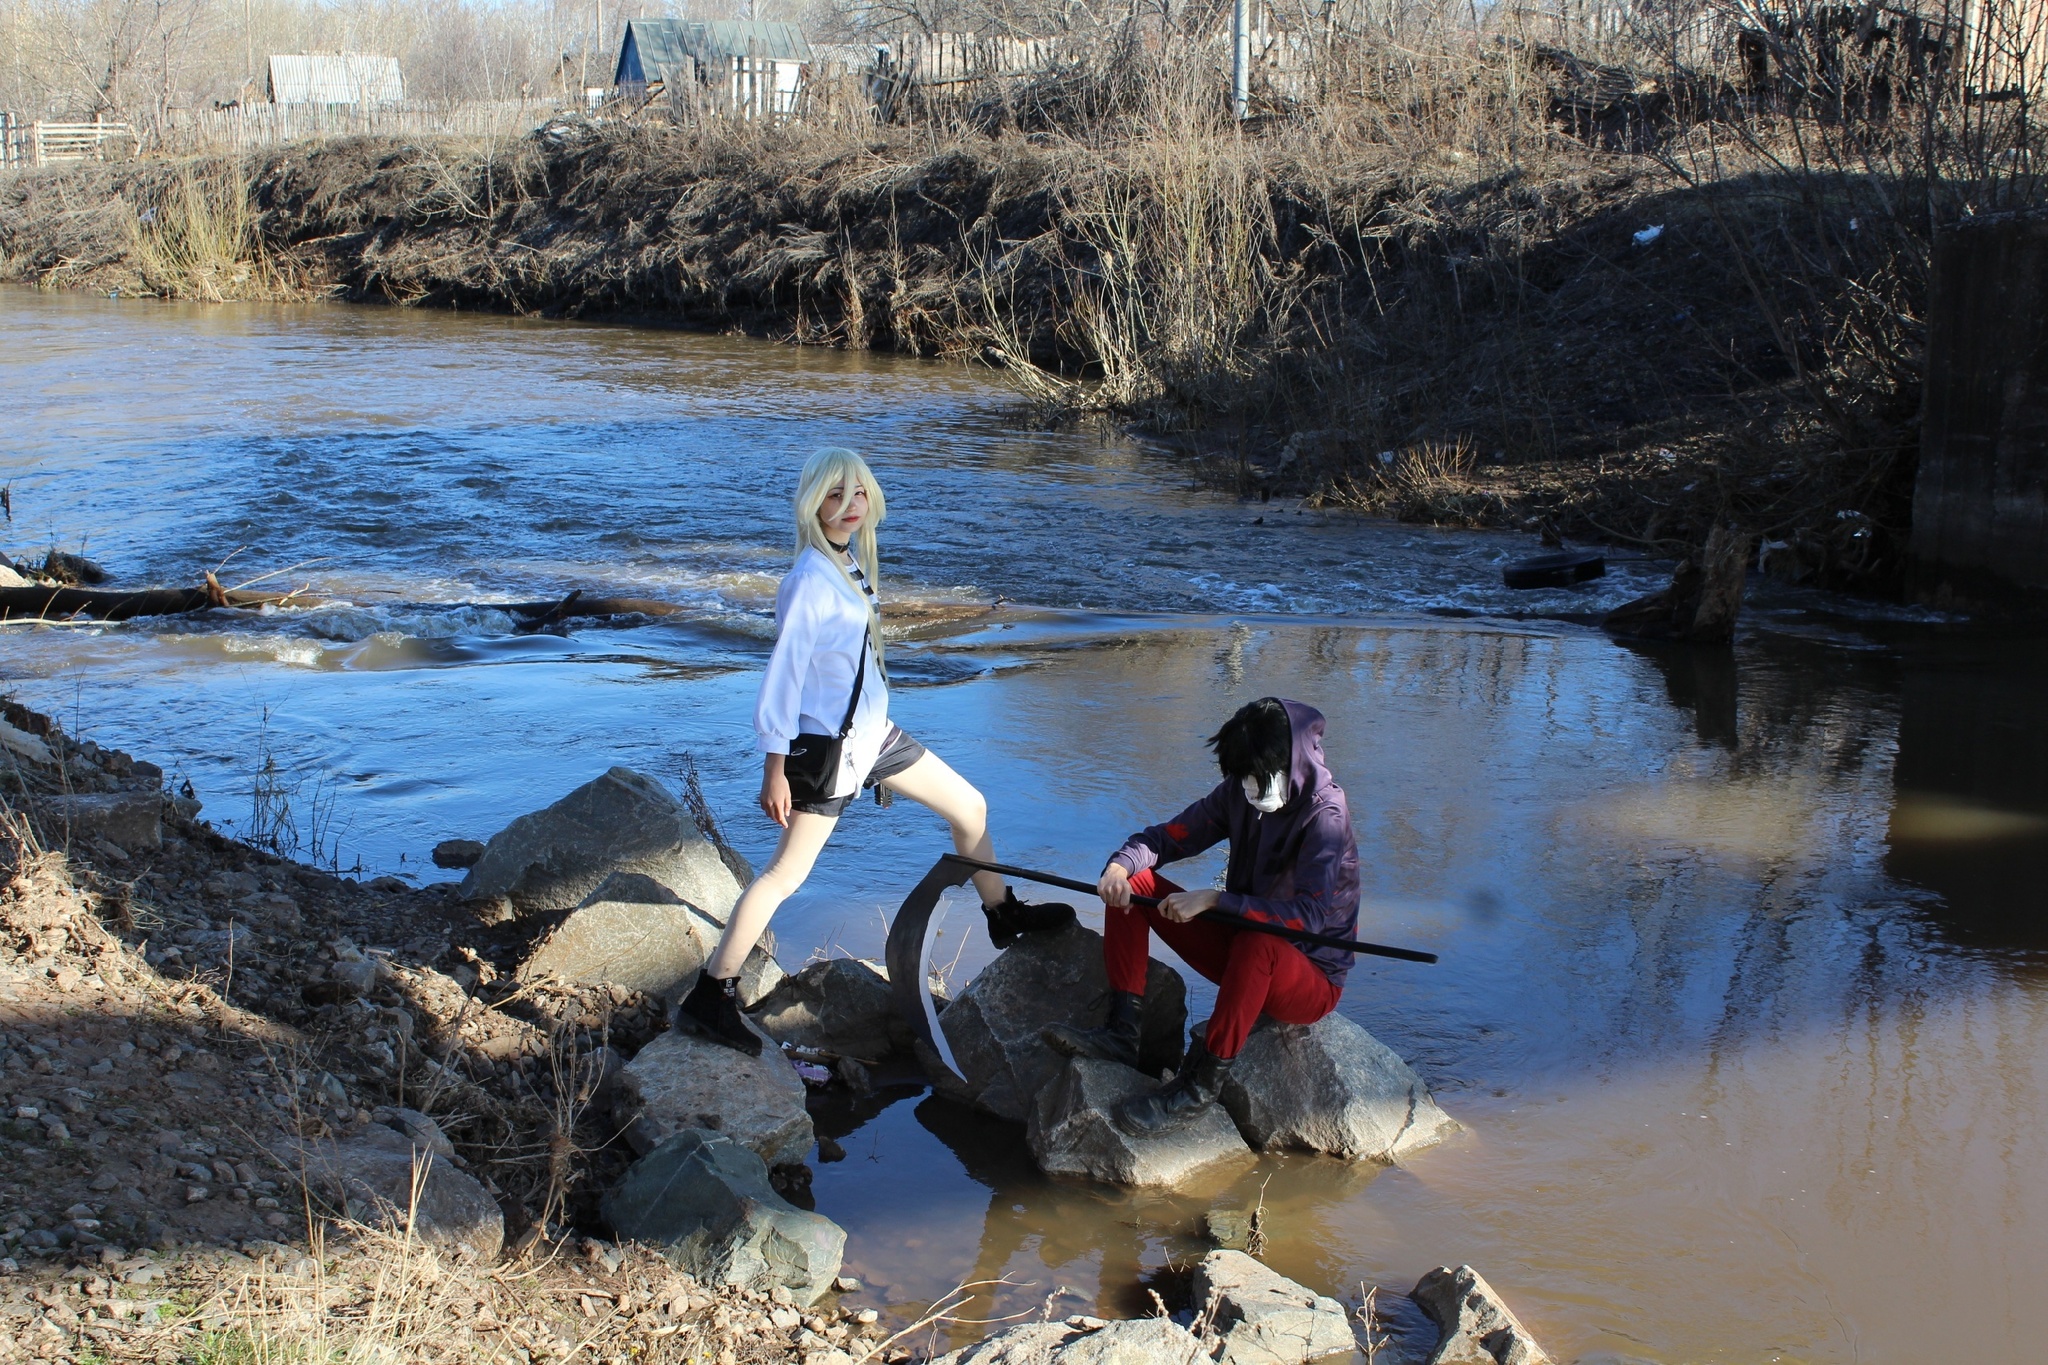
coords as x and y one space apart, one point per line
909 955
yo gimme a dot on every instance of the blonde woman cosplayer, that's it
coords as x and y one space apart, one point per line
828 677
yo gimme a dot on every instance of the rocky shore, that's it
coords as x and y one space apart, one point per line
249 1107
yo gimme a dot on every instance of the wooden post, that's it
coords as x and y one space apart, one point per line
1980 500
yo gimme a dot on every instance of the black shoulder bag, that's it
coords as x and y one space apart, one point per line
812 766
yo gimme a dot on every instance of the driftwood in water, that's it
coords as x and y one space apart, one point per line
1702 602
44 603
63 604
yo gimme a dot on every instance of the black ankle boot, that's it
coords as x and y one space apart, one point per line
1011 919
1115 1041
1182 1101
712 1010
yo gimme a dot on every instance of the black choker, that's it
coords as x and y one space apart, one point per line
839 549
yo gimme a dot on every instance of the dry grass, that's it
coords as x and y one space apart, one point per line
199 241
368 1296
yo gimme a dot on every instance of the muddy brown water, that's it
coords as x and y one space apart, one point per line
1744 990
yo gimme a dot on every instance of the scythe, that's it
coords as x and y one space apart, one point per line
909 953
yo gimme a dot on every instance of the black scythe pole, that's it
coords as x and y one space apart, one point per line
1234 921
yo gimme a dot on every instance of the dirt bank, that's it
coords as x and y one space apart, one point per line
174 1020
1612 346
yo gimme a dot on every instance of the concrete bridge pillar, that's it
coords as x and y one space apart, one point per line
1980 502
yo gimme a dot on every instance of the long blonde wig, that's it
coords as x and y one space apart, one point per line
827 469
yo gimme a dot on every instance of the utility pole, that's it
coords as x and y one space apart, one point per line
249 50
1240 59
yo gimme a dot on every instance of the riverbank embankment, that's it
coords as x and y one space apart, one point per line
1529 333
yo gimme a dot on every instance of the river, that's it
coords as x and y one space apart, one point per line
1742 1000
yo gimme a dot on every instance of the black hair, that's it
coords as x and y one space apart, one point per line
1256 741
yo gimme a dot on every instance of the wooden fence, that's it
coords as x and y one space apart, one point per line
949 66
39 142
267 125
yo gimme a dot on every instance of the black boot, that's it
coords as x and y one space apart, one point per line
1115 1041
1183 1099
1011 919
712 1010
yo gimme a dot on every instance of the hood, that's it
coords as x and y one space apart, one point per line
1308 773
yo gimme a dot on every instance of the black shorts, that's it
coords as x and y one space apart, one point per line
899 751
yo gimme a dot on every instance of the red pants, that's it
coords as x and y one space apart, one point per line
1255 973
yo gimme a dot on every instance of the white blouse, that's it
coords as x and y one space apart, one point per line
820 622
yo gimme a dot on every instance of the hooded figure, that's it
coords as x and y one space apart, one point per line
1293 861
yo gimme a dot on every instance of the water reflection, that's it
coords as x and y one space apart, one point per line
1971 820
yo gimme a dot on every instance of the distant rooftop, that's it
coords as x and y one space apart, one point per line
335 78
656 49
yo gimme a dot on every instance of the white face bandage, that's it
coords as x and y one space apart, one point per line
1268 794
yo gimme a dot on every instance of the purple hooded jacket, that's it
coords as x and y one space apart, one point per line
1297 866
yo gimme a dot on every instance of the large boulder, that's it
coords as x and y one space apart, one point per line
634 932
621 822
839 1005
1139 1341
1330 1087
1260 1317
680 1081
1070 1131
1474 1327
1046 979
371 1177
706 1200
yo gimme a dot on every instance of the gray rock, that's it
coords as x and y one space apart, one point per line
371 1176
632 932
622 821
131 821
1140 1341
359 977
706 1199
839 1005
1260 1317
1330 1087
760 974
993 1025
680 1081
1474 1327
457 853
1070 1131
420 1130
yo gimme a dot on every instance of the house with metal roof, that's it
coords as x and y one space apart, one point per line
335 78
753 68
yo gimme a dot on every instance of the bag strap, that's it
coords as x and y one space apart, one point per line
860 675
